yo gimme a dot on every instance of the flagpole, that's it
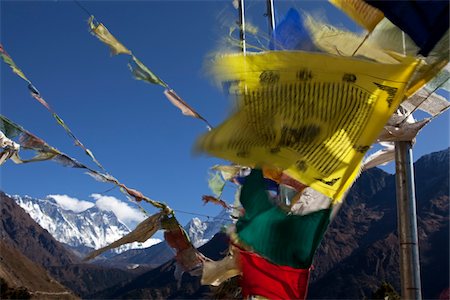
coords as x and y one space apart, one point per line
407 217
270 15
407 222
242 25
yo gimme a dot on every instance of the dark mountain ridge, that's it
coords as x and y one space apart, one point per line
29 251
372 255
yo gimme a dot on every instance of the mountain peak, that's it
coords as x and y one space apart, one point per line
92 227
200 232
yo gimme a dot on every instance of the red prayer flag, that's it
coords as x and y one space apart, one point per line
262 278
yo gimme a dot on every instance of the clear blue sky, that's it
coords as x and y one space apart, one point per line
129 125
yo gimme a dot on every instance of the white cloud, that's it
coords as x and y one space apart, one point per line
125 213
70 203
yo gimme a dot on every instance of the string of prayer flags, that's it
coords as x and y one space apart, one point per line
9 61
44 151
27 141
141 71
36 95
312 115
187 256
425 22
362 13
143 231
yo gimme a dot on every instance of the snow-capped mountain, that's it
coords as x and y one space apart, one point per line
93 227
201 232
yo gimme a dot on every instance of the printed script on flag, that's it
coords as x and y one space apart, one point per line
314 115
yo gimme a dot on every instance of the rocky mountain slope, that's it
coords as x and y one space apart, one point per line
361 247
26 250
30 253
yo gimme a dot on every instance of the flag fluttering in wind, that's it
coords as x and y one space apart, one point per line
36 95
272 247
29 141
143 231
311 117
164 219
102 33
141 71
285 238
311 114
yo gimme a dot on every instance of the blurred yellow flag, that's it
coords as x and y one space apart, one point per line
361 12
313 115
102 33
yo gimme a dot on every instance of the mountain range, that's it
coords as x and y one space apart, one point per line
93 228
358 253
82 231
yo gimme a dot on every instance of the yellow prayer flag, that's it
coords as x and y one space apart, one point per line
313 115
102 33
361 12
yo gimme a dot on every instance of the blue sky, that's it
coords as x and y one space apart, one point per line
132 129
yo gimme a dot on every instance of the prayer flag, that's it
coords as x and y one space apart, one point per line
216 184
310 114
102 33
141 72
263 278
183 106
281 237
145 230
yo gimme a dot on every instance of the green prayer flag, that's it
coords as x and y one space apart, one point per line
282 238
216 184
141 72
